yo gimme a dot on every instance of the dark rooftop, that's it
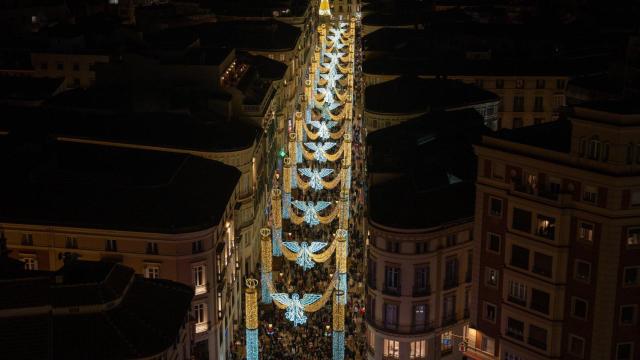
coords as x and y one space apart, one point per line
257 8
265 35
200 132
28 88
431 157
146 322
78 185
410 94
555 135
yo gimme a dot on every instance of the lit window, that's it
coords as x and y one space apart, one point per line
517 293
201 317
152 271
199 279
446 342
418 349
491 277
546 227
590 194
111 245
30 263
391 349
633 236
585 231
27 239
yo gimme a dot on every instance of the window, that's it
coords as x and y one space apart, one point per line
490 312
538 120
593 150
418 349
542 264
451 240
546 227
451 273
540 301
30 263
201 317
517 293
152 248
421 280
497 171
576 345
585 231
538 104
590 194
199 279
393 246
579 308
111 245
493 242
446 342
633 236
491 277
630 154
520 257
518 104
422 247
420 314
27 239
449 309
371 339
560 84
372 268
519 84
499 84
392 278
391 349
554 186
521 220
627 315
495 206
391 316
631 277
582 271
540 84
517 122
71 242
635 198
515 328
624 351
537 337
152 271
197 246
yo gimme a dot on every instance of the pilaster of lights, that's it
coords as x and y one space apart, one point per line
307 88
286 186
276 210
345 183
265 254
338 325
299 126
347 149
251 319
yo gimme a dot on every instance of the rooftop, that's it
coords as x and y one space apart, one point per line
258 8
410 94
256 35
555 135
146 322
429 157
102 187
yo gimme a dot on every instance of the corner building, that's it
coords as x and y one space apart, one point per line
557 263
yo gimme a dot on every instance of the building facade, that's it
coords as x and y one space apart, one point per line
556 261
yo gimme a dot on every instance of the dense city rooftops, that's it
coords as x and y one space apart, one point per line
555 135
103 187
260 8
256 35
200 132
422 160
90 310
410 94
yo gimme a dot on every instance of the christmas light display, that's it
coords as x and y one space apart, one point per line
265 275
304 252
276 212
315 176
251 319
295 306
311 210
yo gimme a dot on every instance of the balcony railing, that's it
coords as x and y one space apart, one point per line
202 327
401 329
422 291
449 319
200 289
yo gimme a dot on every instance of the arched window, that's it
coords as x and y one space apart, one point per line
593 152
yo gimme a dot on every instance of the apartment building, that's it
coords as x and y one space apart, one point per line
556 261
419 254
395 101
165 215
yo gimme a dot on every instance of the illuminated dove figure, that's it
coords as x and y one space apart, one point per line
310 210
305 251
296 306
315 176
320 150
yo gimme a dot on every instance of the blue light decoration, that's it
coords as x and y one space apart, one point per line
338 345
342 285
276 236
320 150
286 200
304 252
296 306
310 210
265 279
298 155
315 176
252 344
324 128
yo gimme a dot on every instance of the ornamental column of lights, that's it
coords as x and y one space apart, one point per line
341 261
266 276
286 187
299 125
276 211
338 325
251 319
295 157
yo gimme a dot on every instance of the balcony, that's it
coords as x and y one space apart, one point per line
515 300
401 329
202 327
449 319
391 291
201 289
553 196
421 291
